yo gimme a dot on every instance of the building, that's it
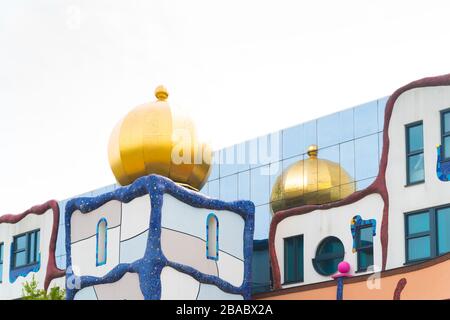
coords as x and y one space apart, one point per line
353 205
155 237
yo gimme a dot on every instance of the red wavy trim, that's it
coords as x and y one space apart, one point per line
399 288
52 270
378 186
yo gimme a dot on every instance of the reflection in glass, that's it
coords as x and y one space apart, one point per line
293 144
262 222
214 189
366 157
229 164
346 127
347 158
381 109
242 156
327 128
310 134
244 185
229 188
363 184
215 166
366 117
260 185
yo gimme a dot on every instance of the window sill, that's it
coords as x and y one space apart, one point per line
414 183
292 282
25 266
412 262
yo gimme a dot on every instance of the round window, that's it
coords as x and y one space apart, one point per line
328 255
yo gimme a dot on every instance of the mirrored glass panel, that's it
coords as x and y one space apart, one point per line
327 129
381 109
293 143
347 159
242 156
214 189
363 184
229 188
310 134
244 185
215 166
260 185
229 164
366 157
366 119
262 222
346 125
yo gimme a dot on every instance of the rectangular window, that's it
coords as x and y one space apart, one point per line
414 153
427 233
293 259
445 131
25 249
418 236
364 247
1 261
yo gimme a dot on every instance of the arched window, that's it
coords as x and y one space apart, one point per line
328 255
212 237
102 228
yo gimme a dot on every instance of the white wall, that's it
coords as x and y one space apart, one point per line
414 105
319 224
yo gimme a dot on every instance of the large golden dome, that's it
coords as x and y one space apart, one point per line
310 181
153 139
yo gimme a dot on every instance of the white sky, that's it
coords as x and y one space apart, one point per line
69 70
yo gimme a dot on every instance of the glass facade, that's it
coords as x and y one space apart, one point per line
351 138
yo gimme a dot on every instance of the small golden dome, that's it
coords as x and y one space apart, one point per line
153 139
310 181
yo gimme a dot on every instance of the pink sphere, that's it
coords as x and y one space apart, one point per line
344 267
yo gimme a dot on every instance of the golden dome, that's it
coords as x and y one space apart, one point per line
310 181
153 139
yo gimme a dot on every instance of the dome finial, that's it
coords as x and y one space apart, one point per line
312 151
161 93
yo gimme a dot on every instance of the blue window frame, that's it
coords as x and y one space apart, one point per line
445 135
293 259
415 172
364 246
102 239
212 237
427 233
2 246
328 255
25 249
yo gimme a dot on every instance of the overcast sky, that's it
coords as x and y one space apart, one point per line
70 70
